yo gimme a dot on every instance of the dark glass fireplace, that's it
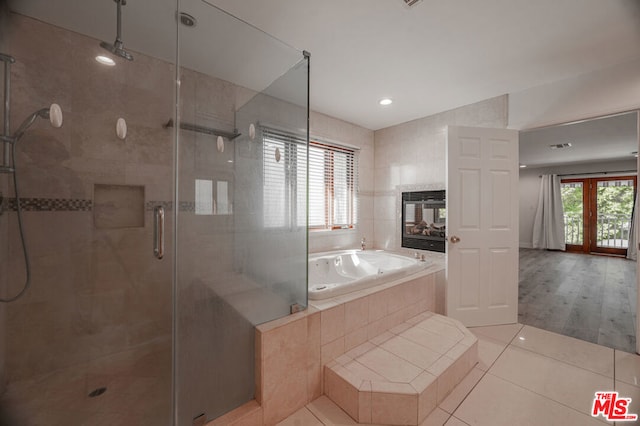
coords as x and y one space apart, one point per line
424 220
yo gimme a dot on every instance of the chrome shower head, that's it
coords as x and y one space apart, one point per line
117 47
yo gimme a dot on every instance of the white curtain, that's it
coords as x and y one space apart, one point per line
632 250
548 225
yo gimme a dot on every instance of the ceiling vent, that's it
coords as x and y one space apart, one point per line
560 145
411 2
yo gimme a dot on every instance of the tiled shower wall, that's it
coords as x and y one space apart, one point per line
95 291
412 156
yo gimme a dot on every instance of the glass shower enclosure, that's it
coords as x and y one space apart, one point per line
113 330
233 269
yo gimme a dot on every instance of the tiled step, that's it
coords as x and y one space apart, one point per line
399 377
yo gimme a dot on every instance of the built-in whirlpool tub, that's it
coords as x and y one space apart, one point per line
339 272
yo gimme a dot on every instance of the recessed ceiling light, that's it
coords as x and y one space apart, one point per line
229 161
634 153
522 166
105 60
385 101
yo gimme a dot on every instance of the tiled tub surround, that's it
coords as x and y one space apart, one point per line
291 352
399 377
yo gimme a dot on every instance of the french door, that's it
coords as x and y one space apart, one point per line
597 213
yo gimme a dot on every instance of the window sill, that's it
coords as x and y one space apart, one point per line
327 232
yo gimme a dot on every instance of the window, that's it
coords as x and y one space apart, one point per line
332 175
597 213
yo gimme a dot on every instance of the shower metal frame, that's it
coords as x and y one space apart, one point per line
6 129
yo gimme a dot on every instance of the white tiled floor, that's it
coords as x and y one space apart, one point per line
526 376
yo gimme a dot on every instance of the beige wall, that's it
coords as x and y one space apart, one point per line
412 156
594 94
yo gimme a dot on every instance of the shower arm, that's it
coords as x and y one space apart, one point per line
118 43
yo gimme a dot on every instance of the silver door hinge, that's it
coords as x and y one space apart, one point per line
296 307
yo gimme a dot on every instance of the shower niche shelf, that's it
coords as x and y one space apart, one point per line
118 206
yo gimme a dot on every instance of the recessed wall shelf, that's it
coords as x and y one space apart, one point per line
202 129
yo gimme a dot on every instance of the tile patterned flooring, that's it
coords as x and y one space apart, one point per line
525 376
588 297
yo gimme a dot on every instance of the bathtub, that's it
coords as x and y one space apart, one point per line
334 273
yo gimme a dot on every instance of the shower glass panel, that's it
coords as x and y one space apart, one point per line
233 271
90 341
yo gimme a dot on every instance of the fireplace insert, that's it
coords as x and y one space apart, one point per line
424 220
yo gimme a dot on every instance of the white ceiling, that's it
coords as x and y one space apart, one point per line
429 58
604 139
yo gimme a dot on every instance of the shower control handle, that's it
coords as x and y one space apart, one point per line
454 239
158 232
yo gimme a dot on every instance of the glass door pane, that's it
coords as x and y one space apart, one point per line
241 240
573 205
614 206
90 340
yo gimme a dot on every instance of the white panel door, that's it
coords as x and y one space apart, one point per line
482 222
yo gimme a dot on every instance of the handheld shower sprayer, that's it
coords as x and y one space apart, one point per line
53 114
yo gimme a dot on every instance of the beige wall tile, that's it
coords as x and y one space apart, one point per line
249 414
332 324
314 365
364 403
394 409
378 306
332 350
355 338
284 370
356 314
342 393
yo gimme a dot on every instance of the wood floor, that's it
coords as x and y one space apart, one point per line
589 297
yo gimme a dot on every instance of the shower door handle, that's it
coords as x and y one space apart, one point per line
158 232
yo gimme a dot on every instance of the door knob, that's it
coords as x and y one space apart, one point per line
454 239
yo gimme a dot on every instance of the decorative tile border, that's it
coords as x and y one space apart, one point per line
78 205
49 204
185 206
150 205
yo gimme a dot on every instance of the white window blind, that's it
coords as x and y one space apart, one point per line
332 183
333 186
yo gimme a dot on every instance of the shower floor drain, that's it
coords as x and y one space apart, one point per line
97 392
